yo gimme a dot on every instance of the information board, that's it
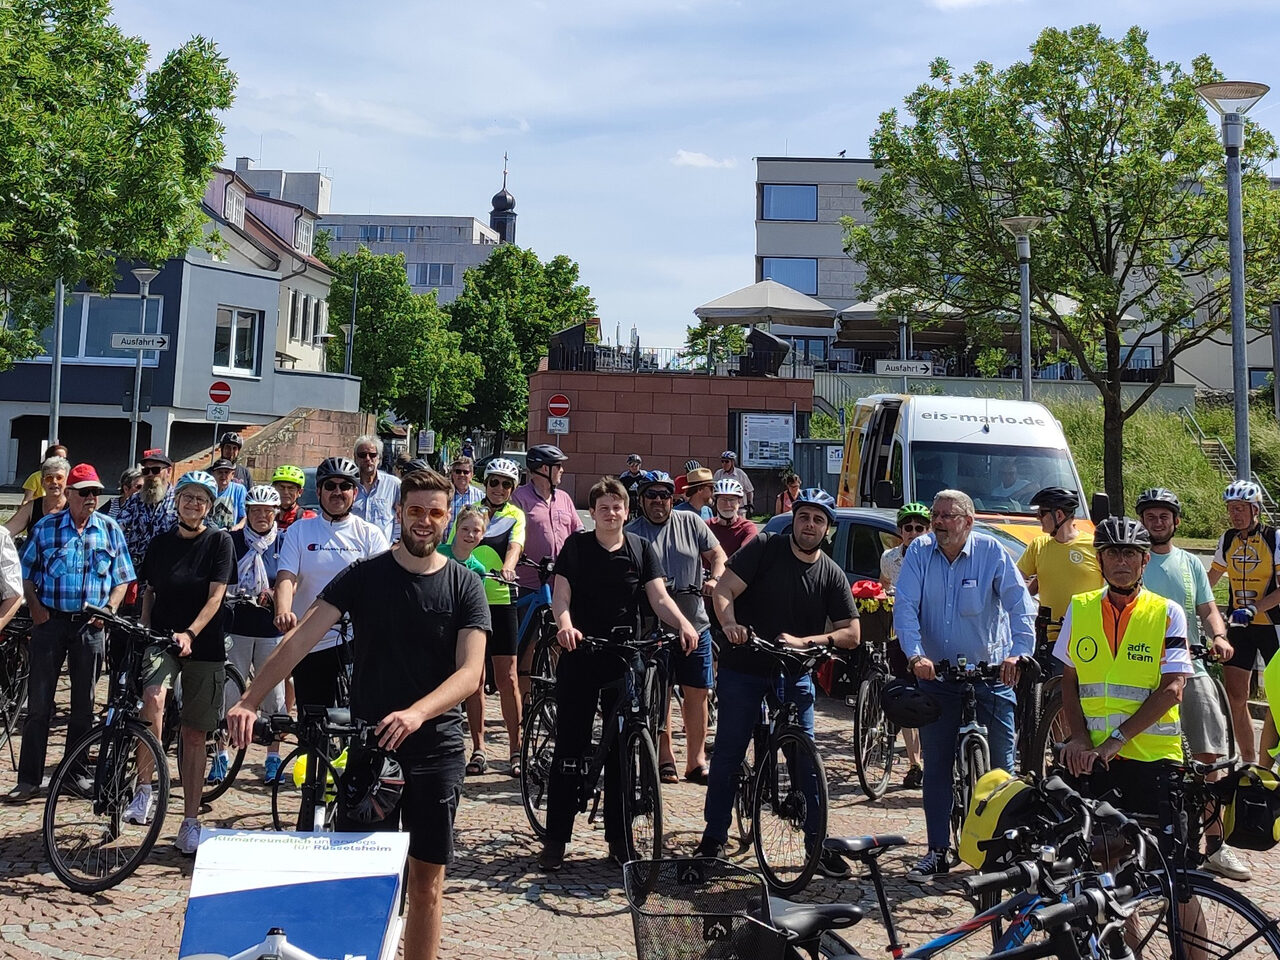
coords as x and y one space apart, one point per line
768 439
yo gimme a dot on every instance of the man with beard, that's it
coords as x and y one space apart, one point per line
785 588
731 528
419 626
150 511
952 588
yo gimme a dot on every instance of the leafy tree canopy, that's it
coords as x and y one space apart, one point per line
1116 150
99 159
722 341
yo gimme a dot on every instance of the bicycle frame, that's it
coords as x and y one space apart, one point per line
1017 910
627 710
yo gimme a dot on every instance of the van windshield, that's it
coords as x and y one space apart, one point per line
1001 479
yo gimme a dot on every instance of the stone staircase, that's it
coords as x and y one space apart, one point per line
1215 451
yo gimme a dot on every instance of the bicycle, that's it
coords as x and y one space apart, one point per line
536 632
626 727
874 736
784 786
89 844
1041 722
15 669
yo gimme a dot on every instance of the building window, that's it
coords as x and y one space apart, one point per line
321 324
798 273
789 201
308 316
233 205
372 233
335 230
235 340
402 233
435 275
90 320
1260 377
809 349
303 231
295 308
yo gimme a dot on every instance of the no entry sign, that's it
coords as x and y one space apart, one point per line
558 405
220 391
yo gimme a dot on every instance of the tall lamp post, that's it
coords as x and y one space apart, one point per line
350 328
1231 100
144 276
1021 228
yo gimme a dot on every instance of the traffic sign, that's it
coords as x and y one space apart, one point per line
139 341
426 442
904 368
217 412
220 391
558 406
557 424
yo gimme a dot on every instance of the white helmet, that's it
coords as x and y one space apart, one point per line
1245 490
263 495
502 467
728 487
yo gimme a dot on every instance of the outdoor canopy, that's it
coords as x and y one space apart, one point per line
767 302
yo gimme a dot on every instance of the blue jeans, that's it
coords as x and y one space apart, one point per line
740 698
938 744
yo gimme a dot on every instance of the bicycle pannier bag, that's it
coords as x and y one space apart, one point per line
1251 819
1000 802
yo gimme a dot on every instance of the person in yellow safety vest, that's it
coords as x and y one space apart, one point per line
1125 657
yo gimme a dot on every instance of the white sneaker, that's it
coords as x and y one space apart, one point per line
1224 862
140 807
188 836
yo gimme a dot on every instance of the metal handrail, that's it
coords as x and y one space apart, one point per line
1197 433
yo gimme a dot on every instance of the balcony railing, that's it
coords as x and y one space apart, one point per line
599 358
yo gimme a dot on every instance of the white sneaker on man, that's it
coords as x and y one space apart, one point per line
1224 862
188 836
140 807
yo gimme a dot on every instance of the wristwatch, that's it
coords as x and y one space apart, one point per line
1118 734
831 642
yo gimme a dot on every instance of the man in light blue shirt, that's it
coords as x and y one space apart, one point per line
954 586
377 493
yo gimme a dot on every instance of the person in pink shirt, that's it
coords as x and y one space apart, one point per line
550 517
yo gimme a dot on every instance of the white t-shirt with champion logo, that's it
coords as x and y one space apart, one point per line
316 550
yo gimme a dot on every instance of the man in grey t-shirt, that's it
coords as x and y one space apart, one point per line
684 543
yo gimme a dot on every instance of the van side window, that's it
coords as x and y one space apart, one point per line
895 470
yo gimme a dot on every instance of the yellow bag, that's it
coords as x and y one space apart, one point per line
330 789
1251 819
1000 802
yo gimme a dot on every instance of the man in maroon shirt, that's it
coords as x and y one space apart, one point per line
732 530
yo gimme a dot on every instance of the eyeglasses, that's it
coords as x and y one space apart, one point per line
193 498
461 472
152 471
657 494
434 513
331 485
939 517
367 455
499 482
913 528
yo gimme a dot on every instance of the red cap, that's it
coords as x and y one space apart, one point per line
83 476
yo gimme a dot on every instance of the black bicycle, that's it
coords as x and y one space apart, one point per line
624 727
90 845
874 736
15 669
1041 721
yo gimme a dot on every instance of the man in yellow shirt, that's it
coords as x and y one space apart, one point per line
1059 563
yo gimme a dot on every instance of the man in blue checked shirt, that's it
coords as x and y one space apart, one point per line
953 589
74 557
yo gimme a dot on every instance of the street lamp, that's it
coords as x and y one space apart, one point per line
144 276
1021 228
348 333
350 328
1232 100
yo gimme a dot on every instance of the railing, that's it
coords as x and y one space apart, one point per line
600 358
1216 452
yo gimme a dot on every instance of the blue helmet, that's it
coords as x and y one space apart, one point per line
815 497
655 478
198 478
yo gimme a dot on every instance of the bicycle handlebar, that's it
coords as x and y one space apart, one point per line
963 671
131 626
335 722
813 651
1097 903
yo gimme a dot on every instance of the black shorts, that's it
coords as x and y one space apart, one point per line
1143 786
426 810
502 639
1251 640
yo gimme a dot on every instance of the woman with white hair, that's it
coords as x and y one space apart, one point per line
53 478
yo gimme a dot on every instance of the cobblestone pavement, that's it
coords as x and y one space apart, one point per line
498 903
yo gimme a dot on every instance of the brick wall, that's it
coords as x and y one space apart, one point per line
666 418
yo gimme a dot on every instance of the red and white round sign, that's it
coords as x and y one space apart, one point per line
220 391
558 405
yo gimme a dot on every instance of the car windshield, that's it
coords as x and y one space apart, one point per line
1000 479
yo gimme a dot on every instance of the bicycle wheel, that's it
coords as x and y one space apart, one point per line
790 812
1213 921
874 738
641 797
288 811
90 845
977 763
536 753
1051 729
15 667
216 742
744 798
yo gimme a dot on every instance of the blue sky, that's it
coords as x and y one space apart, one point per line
632 126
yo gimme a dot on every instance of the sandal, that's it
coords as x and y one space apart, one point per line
668 773
515 765
697 775
478 764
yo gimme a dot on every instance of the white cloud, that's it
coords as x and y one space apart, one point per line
689 158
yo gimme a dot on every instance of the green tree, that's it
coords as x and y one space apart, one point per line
100 160
1115 149
403 346
722 341
510 306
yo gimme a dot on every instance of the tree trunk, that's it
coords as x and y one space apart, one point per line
1113 447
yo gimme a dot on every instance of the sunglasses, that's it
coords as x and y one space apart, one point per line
367 455
461 473
657 495
87 492
914 528
331 485
1041 512
497 482
152 471
434 513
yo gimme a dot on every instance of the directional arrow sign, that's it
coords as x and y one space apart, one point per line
139 341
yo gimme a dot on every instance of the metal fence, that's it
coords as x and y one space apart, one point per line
600 358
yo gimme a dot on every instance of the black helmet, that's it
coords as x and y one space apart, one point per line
907 706
232 438
544 454
1115 532
1158 497
371 785
417 463
336 467
1057 498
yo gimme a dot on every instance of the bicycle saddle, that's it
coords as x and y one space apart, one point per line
801 921
864 848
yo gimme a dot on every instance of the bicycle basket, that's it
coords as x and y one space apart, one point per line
700 908
1000 802
1251 818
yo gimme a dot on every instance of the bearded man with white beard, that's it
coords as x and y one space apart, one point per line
149 512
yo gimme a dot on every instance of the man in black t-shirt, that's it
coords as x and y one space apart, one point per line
785 588
600 577
419 623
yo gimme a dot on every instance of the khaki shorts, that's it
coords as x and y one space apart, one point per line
1204 725
202 682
